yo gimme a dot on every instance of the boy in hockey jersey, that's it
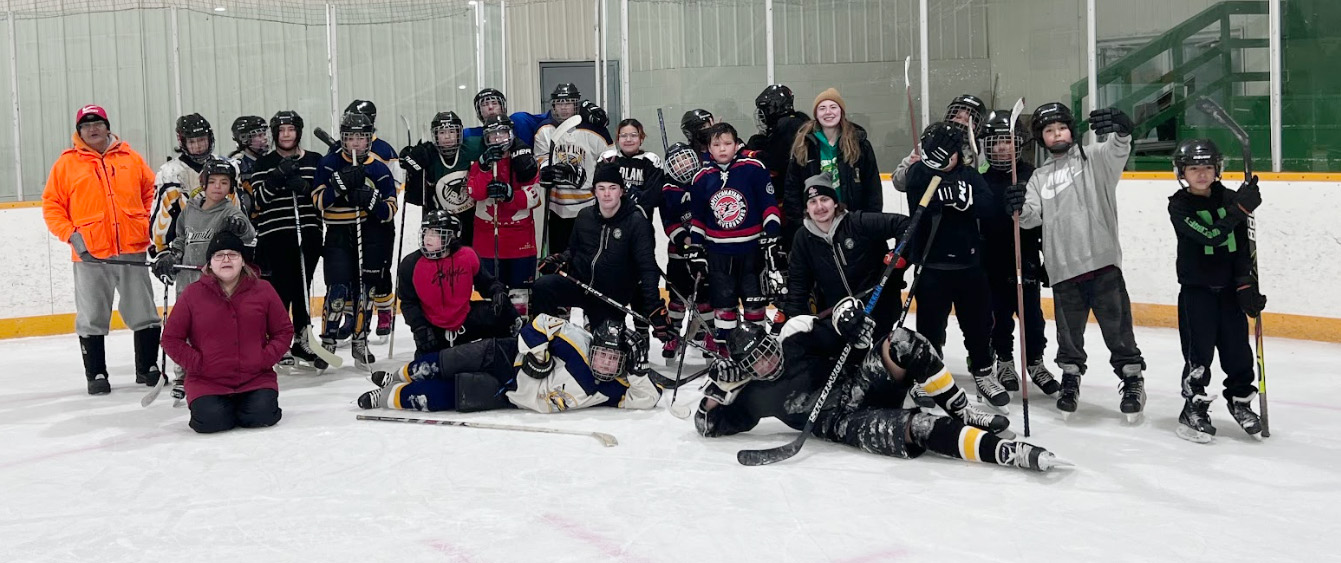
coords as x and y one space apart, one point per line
735 222
178 180
504 184
252 138
383 152
783 377
357 197
1218 287
435 172
581 146
1074 197
551 366
435 286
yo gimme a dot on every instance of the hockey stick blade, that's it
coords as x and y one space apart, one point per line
1218 113
152 395
606 440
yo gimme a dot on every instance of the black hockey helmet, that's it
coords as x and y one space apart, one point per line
286 117
222 166
775 102
756 351
565 91
682 163
940 142
1197 152
490 95
1047 114
443 228
611 351
693 123
446 127
248 127
495 127
995 131
191 127
354 124
967 107
594 114
364 107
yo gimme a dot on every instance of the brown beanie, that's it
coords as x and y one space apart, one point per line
830 94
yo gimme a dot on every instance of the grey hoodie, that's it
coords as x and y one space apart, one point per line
195 227
1075 200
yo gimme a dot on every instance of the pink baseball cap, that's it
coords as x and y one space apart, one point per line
90 113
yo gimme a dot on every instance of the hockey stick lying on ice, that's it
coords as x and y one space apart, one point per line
606 440
786 451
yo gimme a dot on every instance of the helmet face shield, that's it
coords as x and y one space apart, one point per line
606 363
447 138
1002 148
682 164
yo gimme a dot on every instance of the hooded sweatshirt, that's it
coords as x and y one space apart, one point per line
196 226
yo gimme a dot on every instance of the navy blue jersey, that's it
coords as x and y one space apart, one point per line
336 208
732 207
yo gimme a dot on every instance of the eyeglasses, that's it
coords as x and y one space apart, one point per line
226 256
633 136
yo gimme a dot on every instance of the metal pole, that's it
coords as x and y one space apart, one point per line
503 24
14 99
176 64
596 54
332 48
926 63
1091 56
768 39
1274 48
624 58
479 44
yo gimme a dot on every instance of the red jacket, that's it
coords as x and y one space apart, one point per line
228 345
516 227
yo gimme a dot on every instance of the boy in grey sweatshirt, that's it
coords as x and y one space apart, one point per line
1073 196
204 216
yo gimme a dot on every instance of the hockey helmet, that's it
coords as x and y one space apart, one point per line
194 126
446 127
246 129
682 163
439 234
490 96
218 166
611 351
996 133
964 110
1047 114
353 126
772 104
693 124
498 131
1197 152
756 351
286 117
364 107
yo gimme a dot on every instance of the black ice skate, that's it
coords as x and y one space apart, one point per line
1070 394
990 390
1007 375
1028 456
387 378
960 408
1132 390
98 384
921 398
374 399
303 355
1242 411
1194 423
1038 372
358 348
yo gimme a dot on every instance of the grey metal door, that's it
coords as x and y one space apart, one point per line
581 74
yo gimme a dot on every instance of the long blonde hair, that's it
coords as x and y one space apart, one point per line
849 146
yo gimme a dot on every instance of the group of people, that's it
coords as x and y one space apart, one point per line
818 252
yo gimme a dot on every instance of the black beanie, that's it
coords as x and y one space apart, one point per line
818 185
608 172
226 240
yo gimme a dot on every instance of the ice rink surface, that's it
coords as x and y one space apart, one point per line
100 479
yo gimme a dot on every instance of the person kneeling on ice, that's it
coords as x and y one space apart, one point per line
228 330
551 366
1218 287
435 283
781 378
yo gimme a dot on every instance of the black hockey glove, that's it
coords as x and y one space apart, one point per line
363 197
426 340
237 225
661 325
1250 299
771 247
852 323
955 195
553 263
414 158
500 303
535 367
298 185
723 370
1249 196
164 266
914 353
697 259
565 174
491 155
77 242
499 190
1015 196
1111 120
348 179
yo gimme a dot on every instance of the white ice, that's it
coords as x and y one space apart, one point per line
100 479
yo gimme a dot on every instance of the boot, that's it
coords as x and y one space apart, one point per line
1038 372
1194 423
989 388
1242 410
1005 373
358 347
1132 390
94 351
1070 397
146 355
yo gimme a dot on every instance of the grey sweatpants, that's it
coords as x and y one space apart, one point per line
95 285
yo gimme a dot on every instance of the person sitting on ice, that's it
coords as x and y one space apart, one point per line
780 377
228 330
552 365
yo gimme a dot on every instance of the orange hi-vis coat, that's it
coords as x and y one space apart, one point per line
105 197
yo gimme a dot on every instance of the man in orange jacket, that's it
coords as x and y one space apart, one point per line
97 199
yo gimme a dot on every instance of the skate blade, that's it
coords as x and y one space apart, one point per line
178 403
1134 418
1054 462
1066 415
1003 409
1193 435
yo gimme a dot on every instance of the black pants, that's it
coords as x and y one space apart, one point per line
552 292
480 323
1103 291
253 409
279 262
1004 301
966 290
1210 319
560 230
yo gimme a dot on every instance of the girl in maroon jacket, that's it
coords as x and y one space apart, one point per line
228 330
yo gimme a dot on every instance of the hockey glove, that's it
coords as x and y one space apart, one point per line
348 179
852 323
1015 196
661 325
237 225
593 114
363 197
697 259
537 368
553 263
499 190
1250 299
955 195
426 340
500 303
1111 120
298 185
77 242
164 266
724 370
771 245
491 155
1249 196
286 169
412 158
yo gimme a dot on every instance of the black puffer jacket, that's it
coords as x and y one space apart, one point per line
775 147
858 186
617 256
846 261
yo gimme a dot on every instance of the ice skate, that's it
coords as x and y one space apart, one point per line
1242 411
670 347
1132 390
384 320
1006 374
960 408
302 354
1028 456
374 399
990 390
385 378
98 385
1070 394
363 357
1194 423
921 398
1043 379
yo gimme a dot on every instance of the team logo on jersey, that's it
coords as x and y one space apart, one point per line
451 193
769 188
619 233
849 244
728 207
560 400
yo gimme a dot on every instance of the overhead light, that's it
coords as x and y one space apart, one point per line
461 87
220 9
471 2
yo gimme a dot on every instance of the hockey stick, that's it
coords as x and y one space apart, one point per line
364 300
559 130
619 306
1015 112
498 274
400 246
1213 109
313 341
668 383
606 440
665 143
912 115
152 395
690 329
786 451
324 137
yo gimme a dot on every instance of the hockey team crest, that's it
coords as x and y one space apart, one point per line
729 207
618 234
452 194
849 244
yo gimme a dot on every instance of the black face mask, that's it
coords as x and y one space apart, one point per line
1061 148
